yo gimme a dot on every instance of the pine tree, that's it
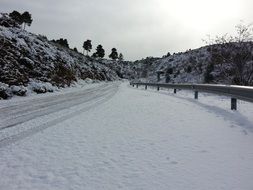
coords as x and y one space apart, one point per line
121 57
100 51
26 19
87 46
15 15
75 49
62 42
114 54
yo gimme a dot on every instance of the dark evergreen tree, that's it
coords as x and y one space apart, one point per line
189 69
62 42
121 57
100 51
94 55
169 71
65 43
168 54
87 46
15 15
75 49
26 19
114 54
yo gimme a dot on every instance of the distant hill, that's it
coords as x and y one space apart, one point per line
229 63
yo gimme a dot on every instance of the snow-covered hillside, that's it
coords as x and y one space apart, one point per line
31 62
187 67
228 63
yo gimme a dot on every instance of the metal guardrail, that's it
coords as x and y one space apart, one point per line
235 92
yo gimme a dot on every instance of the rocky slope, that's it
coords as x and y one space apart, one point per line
31 62
228 63
187 67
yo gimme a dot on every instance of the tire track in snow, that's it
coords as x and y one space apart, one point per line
17 114
98 98
26 106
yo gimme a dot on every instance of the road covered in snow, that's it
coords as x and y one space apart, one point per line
113 136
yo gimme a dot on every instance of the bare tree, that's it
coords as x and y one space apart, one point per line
233 55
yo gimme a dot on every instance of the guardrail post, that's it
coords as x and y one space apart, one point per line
196 95
146 86
175 91
158 88
233 104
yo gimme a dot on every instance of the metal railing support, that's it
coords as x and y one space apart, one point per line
233 104
196 95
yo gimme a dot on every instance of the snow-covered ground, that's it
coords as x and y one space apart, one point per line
128 138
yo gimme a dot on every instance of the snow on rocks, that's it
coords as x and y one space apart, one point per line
18 90
41 87
4 91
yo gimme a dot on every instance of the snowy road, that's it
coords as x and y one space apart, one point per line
118 137
16 113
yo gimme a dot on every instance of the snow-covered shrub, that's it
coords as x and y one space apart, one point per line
208 77
40 87
189 69
18 90
4 91
63 75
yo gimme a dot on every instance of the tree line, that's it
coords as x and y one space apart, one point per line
87 47
100 52
25 19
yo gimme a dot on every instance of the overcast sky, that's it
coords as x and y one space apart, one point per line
137 28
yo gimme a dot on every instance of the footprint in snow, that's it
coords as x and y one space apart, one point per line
174 162
203 151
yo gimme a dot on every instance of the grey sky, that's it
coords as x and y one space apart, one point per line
137 28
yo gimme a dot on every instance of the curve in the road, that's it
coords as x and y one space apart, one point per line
89 99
